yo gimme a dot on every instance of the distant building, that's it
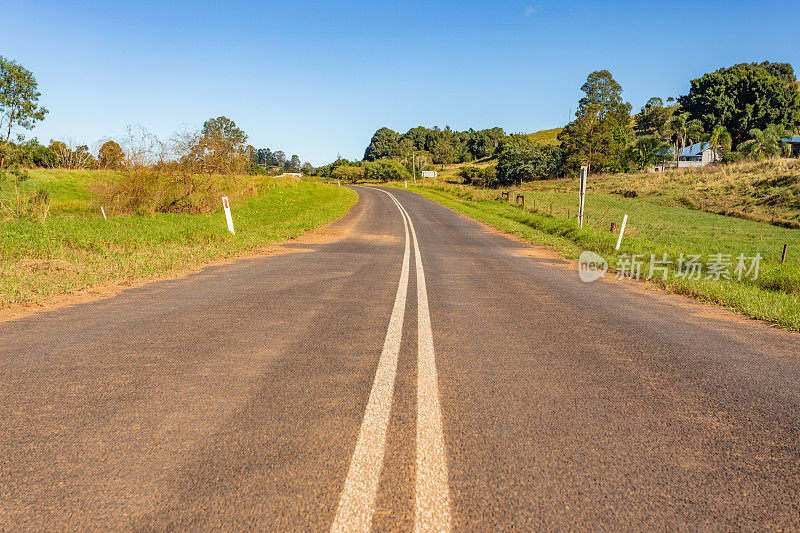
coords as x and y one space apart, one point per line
696 155
794 145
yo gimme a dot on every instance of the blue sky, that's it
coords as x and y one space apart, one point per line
318 78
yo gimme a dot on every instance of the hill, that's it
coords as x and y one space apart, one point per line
544 136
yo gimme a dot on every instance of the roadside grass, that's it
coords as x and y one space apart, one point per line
764 191
75 249
774 296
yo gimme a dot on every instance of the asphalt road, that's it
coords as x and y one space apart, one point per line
409 370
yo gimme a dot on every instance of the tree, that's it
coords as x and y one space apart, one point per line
307 169
684 130
744 97
719 138
19 101
110 154
279 158
764 143
443 152
601 90
384 143
293 165
221 146
599 134
648 151
653 117
522 160
264 156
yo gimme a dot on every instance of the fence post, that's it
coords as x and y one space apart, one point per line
785 250
582 195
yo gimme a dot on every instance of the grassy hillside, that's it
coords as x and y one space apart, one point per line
545 136
766 191
549 218
75 249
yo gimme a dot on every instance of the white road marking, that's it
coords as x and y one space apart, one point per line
357 501
432 493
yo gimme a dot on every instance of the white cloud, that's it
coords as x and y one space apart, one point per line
530 10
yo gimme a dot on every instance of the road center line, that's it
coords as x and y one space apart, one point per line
357 501
432 493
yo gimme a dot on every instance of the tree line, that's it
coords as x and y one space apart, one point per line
742 110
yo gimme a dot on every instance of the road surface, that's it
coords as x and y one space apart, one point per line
412 370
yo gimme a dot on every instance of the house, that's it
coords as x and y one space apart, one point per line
794 145
696 155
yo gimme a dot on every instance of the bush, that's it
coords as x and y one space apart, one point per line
385 170
349 173
145 191
729 156
522 160
479 177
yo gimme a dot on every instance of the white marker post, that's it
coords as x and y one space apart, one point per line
339 183
582 195
104 213
621 231
406 184
227 208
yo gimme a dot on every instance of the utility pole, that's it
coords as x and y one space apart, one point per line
414 166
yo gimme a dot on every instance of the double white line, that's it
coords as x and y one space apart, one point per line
432 500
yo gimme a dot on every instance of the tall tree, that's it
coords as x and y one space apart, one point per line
293 165
443 152
684 130
653 117
384 143
19 101
110 154
599 134
279 158
221 145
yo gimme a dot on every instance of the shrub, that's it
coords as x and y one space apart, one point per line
349 173
146 191
522 160
385 170
479 177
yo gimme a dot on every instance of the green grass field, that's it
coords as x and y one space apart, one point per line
774 296
75 249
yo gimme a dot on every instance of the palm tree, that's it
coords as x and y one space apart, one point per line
684 130
694 131
677 127
719 138
764 143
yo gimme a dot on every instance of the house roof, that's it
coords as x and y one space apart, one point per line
792 140
694 150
